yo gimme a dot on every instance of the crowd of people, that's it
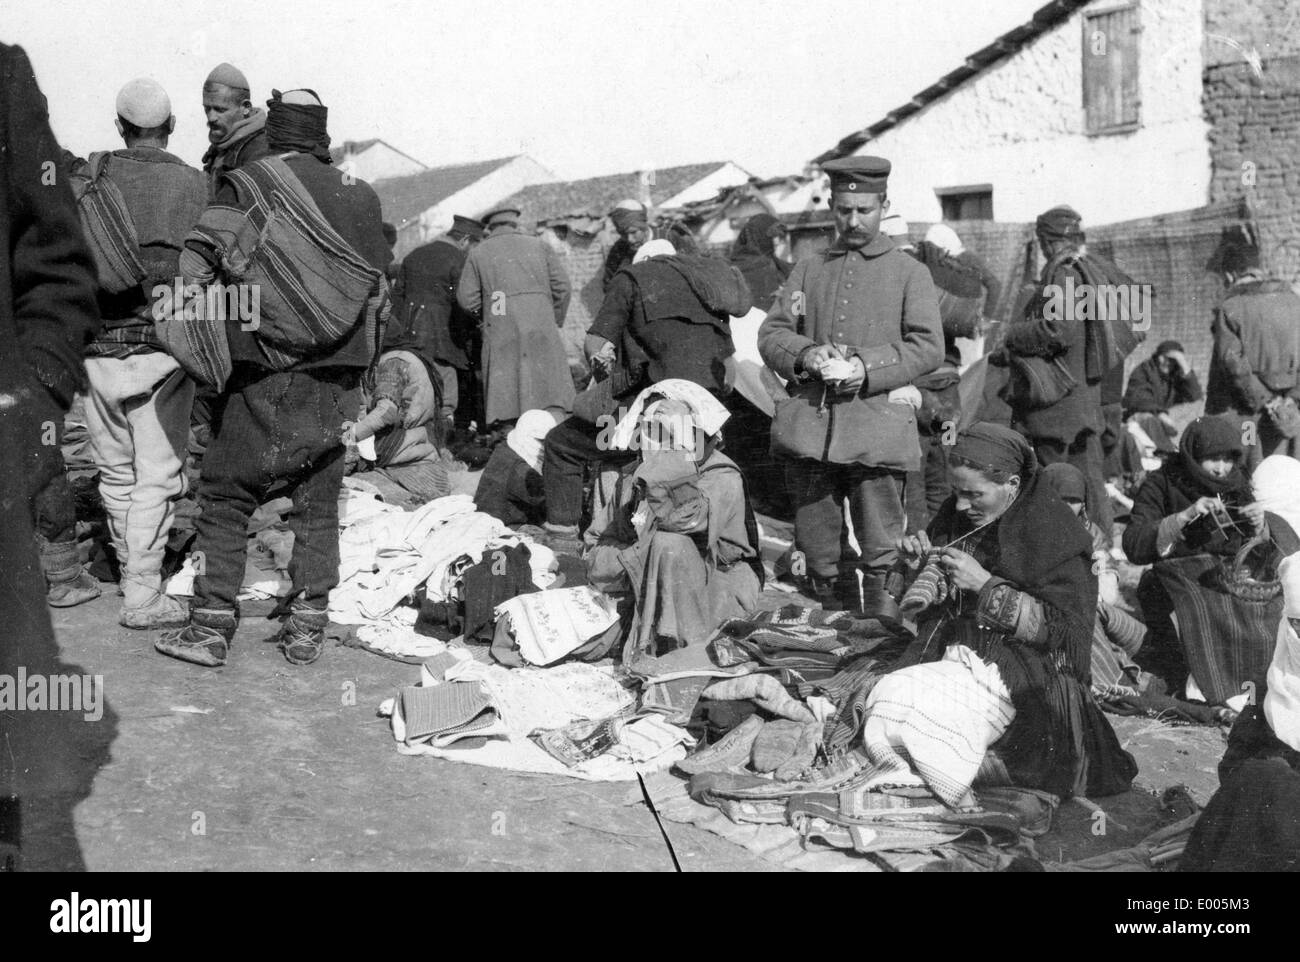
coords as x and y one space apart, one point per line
984 536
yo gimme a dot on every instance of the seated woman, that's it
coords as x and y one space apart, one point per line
1015 586
403 417
1116 635
510 488
1250 824
1179 513
678 537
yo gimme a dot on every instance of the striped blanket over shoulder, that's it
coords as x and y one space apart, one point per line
110 232
313 287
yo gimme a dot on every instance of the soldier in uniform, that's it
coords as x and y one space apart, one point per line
851 329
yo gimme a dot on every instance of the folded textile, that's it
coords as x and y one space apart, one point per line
674 698
429 541
579 742
443 714
797 637
931 724
764 691
547 625
893 822
501 575
850 769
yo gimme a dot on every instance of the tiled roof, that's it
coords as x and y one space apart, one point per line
1044 19
406 198
596 196
338 152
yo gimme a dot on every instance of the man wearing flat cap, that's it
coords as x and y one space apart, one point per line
139 398
851 329
425 297
516 287
236 129
1062 415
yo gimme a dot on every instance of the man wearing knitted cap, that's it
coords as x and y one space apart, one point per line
236 129
1063 370
290 374
138 402
632 222
851 329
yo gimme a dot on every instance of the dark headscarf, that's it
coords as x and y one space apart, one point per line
625 219
754 255
992 447
1067 480
1042 548
400 335
1208 437
299 127
756 238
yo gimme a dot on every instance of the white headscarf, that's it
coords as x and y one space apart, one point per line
945 238
1282 702
525 438
655 248
1276 483
709 413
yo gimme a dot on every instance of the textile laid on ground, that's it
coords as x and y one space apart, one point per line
797 637
445 713
417 549
567 698
1227 640
931 724
547 625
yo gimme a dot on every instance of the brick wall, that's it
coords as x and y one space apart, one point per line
1255 151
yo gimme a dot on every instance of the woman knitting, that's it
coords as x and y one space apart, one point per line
1188 519
1012 578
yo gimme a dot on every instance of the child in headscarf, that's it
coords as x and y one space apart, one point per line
1205 475
1116 635
1181 511
403 417
678 538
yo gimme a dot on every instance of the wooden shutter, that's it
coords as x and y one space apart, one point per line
1111 101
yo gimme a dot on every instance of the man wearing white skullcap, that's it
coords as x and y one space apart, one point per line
138 404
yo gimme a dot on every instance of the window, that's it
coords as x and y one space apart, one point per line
1111 100
972 202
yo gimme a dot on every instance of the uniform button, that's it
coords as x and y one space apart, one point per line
848 285
845 301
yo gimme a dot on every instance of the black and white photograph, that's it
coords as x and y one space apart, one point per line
686 437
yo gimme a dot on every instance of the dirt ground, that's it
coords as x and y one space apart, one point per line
261 765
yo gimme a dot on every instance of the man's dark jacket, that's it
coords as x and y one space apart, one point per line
426 294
